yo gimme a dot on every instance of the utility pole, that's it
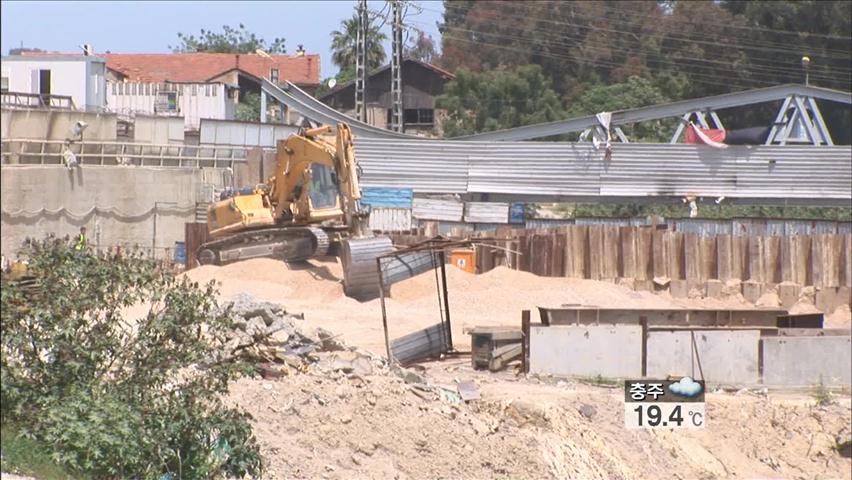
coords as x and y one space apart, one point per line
396 69
361 62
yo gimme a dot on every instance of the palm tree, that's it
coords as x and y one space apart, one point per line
343 45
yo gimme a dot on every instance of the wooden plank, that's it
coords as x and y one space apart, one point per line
818 260
596 252
739 257
692 257
724 264
659 256
560 239
627 268
707 247
772 259
675 255
644 254
610 252
846 272
755 259
195 234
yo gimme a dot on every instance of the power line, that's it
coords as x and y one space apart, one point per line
767 70
758 46
771 77
702 23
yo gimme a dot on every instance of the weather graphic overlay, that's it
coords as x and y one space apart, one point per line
664 403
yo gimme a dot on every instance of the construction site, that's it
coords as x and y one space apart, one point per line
415 307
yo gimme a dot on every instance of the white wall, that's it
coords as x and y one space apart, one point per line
67 77
195 100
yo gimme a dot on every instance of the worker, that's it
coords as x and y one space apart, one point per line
81 240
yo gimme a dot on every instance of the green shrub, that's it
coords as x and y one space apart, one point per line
117 397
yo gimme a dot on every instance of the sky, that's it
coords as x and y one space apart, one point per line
150 27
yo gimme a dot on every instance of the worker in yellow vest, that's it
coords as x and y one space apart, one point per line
81 240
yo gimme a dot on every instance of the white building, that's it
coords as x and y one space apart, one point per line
192 101
81 77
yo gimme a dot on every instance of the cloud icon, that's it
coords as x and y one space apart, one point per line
686 387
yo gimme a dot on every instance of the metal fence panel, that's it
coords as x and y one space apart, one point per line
390 219
387 197
433 209
486 212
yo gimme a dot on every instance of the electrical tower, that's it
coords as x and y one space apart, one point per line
396 69
361 62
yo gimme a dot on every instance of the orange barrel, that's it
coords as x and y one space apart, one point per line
464 258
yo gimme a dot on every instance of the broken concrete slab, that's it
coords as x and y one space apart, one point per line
679 288
643 285
788 293
752 290
714 289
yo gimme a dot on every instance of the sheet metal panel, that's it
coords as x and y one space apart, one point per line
430 166
390 219
634 170
548 222
387 197
701 226
249 134
517 213
404 266
486 212
844 228
432 209
421 344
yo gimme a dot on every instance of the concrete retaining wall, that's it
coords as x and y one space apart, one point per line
802 361
116 205
43 124
726 356
608 351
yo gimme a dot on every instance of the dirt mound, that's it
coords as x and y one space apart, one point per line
275 280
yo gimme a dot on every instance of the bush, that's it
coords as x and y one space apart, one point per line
113 396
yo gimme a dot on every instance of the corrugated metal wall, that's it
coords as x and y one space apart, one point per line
387 197
229 132
486 212
390 219
578 170
432 209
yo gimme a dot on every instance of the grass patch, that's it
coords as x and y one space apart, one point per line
599 380
25 456
822 395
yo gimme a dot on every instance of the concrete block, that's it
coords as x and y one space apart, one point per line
643 285
752 290
826 299
679 288
714 288
803 361
587 350
788 293
844 296
726 356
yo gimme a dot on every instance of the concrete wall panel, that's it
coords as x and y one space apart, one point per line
801 361
609 351
116 205
726 356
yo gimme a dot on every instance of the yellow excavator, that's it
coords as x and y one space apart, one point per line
309 208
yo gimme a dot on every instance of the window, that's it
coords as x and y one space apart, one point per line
323 189
113 89
273 76
418 116
194 90
214 88
4 84
134 89
207 90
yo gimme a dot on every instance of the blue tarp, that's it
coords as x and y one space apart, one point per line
386 197
516 213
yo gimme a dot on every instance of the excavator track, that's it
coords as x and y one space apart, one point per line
360 271
290 244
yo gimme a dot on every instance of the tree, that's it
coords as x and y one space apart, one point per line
114 396
422 49
480 102
344 42
230 40
634 93
248 110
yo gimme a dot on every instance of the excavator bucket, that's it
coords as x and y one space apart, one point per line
360 270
